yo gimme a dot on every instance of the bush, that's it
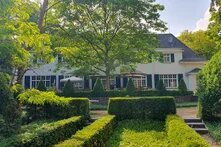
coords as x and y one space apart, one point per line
98 90
41 86
48 105
48 134
17 89
9 109
95 134
130 87
68 89
179 134
182 86
123 93
142 108
160 86
209 85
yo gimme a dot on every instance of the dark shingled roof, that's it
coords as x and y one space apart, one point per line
170 41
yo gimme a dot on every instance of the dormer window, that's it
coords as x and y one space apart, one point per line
168 58
60 59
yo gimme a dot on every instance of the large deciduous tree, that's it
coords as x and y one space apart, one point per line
106 34
214 27
200 42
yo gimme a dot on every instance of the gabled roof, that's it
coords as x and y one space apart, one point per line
170 41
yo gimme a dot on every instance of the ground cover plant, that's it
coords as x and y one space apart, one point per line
139 132
215 130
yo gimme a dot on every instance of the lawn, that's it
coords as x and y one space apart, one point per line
139 132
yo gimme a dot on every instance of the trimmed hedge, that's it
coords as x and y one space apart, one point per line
49 105
142 108
180 134
93 135
48 134
123 93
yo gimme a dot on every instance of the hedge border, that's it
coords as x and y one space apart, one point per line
93 135
142 108
49 134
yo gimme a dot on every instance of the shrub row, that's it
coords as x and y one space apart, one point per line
142 108
93 135
47 135
49 105
123 93
179 134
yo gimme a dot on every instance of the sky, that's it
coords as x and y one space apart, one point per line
183 15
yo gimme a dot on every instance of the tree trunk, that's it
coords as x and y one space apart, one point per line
42 13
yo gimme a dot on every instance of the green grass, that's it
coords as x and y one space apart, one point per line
139 132
186 104
98 107
215 130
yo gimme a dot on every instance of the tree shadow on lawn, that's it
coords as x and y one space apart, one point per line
139 132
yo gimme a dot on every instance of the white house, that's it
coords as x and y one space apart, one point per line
179 61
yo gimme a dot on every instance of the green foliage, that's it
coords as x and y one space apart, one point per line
160 86
68 89
131 133
214 25
47 134
214 130
17 89
179 134
107 34
130 87
48 105
142 108
123 93
98 89
9 109
41 86
182 86
95 134
209 85
200 42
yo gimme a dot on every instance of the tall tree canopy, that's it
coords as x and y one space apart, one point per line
108 33
200 42
214 27
21 38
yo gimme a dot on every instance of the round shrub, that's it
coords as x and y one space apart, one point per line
130 87
68 90
98 90
41 86
209 88
182 86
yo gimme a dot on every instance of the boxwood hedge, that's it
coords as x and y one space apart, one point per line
93 135
47 135
142 108
180 134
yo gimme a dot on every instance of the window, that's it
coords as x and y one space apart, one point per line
112 83
46 79
167 58
170 81
139 82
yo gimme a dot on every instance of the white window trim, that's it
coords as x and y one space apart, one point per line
170 77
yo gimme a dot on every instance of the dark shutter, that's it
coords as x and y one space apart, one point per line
59 58
156 79
118 82
93 81
125 79
61 84
180 76
172 58
53 80
149 81
27 82
86 83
